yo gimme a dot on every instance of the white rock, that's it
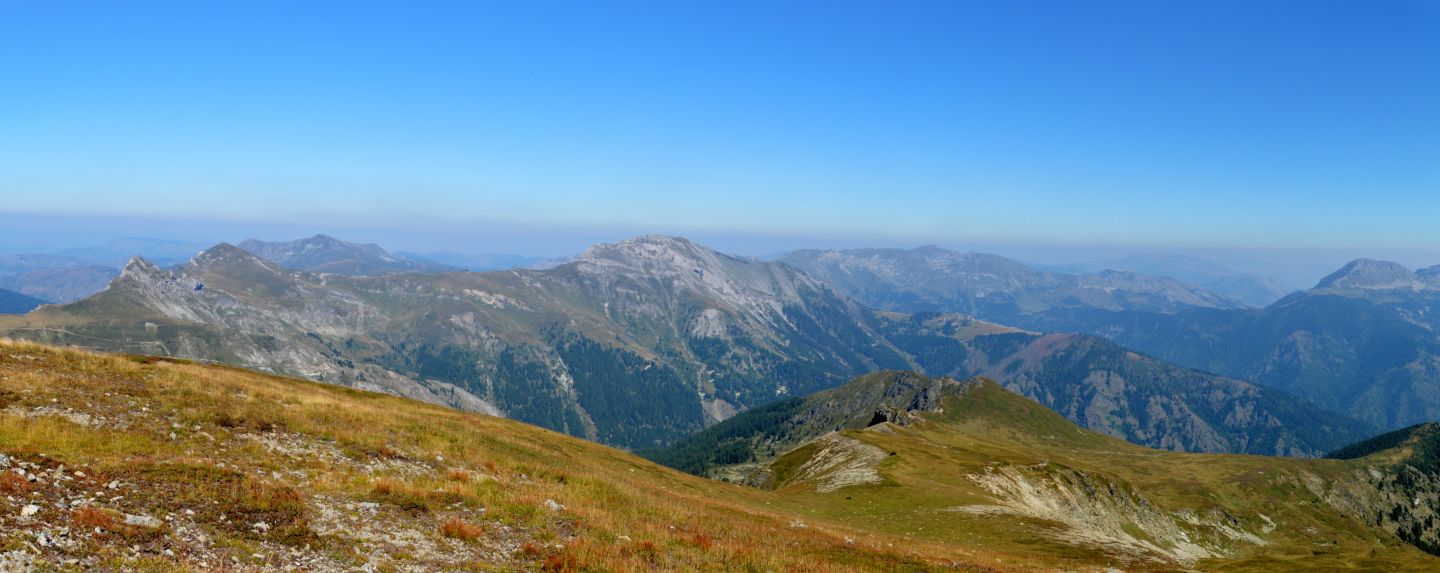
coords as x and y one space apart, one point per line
552 506
142 521
29 510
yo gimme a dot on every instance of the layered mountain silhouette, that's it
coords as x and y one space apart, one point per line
54 278
640 342
1363 341
1249 288
326 254
993 287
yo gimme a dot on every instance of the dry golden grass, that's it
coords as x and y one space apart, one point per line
621 513
457 528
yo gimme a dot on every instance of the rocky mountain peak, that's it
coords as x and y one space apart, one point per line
658 248
1371 274
139 266
653 254
677 262
227 254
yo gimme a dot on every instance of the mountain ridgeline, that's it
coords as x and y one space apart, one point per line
763 433
54 278
989 286
1084 382
326 254
1362 342
12 302
641 342
1249 288
946 459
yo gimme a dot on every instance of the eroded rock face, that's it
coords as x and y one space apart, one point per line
1103 512
840 462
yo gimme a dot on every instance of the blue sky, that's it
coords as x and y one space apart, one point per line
1258 124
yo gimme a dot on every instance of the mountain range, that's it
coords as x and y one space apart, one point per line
54 278
1362 342
1249 288
641 342
990 286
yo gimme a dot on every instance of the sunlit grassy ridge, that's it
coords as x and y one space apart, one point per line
243 470
993 469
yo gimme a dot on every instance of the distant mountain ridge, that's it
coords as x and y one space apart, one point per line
639 342
992 287
1361 276
326 254
1364 341
1249 288
12 302
54 278
61 285
472 262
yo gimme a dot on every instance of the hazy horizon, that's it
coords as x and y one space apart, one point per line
1295 268
1107 127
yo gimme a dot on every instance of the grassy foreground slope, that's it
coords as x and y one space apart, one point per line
110 462
971 464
